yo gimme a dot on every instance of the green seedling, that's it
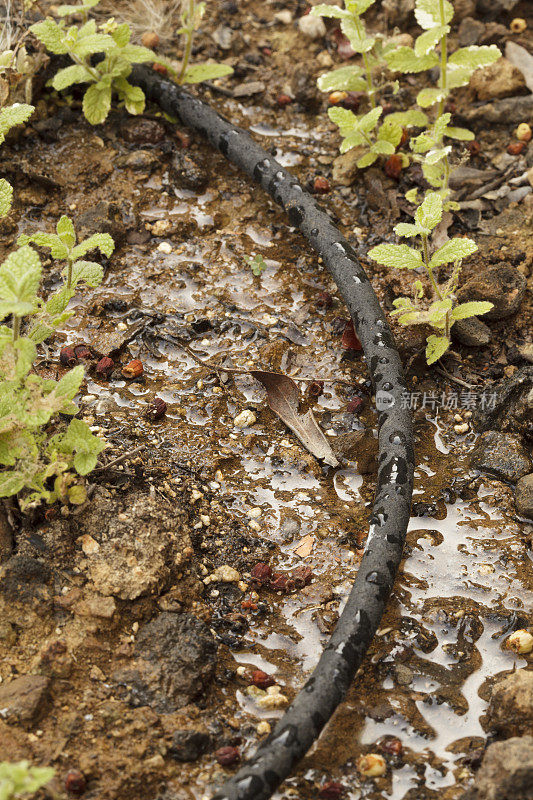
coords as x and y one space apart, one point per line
10 116
20 779
364 130
191 17
39 454
257 264
442 312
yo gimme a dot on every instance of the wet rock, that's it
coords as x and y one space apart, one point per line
312 27
501 79
510 711
524 496
139 160
104 217
471 332
463 8
345 166
249 88
175 661
506 772
189 745
511 406
23 698
188 173
491 8
142 131
501 455
24 577
502 285
470 32
304 89
403 674
514 108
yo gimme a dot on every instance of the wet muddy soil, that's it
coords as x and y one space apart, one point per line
132 629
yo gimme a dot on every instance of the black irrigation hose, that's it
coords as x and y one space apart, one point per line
308 714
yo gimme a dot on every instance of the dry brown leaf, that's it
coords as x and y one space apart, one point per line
284 399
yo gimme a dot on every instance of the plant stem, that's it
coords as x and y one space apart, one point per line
369 84
443 59
189 33
425 254
69 273
83 63
16 327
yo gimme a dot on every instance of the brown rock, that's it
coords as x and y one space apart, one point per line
506 772
501 455
510 710
502 285
345 166
501 79
23 698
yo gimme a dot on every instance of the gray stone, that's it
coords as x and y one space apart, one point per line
470 31
501 79
189 745
501 455
471 332
404 675
511 406
23 698
506 772
175 661
188 173
510 711
502 285
524 496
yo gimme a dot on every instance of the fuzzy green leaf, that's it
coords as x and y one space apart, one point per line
11 483
358 7
51 35
6 197
429 214
69 75
65 231
94 43
369 121
390 131
471 309
96 103
346 120
438 155
98 241
452 250
407 230
427 41
404 59
58 302
366 160
133 96
434 174
382 148
78 439
88 272
436 347
475 57
70 383
399 256
428 97
332 12
457 76
427 13
20 276
359 41
137 54
257 264
66 10
412 195
206 72
122 34
13 115
462 134
348 79
407 119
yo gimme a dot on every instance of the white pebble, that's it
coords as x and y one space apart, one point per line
284 16
464 428
312 27
245 419
165 247
521 642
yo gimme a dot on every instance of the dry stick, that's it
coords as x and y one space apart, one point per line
453 379
120 459
243 371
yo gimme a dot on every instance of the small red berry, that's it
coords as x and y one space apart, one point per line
283 100
262 679
393 166
391 746
227 756
133 370
301 576
160 68
68 357
82 351
157 409
515 148
321 185
324 300
278 582
75 782
473 147
105 367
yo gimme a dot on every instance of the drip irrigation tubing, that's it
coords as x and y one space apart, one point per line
305 718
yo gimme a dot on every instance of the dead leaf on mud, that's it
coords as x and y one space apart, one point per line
305 546
283 398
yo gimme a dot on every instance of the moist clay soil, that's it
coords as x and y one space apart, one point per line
132 628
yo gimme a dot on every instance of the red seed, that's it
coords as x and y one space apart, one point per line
82 351
283 100
315 388
150 39
184 140
262 679
301 576
336 98
473 147
133 370
226 756
350 340
321 185
331 790
324 300
261 574
105 367
352 101
75 782
157 409
355 405
247 605
278 582
393 166
515 148
391 746
67 356
160 68
405 137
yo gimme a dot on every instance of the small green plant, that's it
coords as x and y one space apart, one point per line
16 114
257 264
39 454
442 312
22 779
363 130
191 16
109 76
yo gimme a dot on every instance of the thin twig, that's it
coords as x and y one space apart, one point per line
453 379
120 459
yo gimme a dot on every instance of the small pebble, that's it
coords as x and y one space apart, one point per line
312 27
372 765
460 429
520 642
165 247
245 419
518 25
